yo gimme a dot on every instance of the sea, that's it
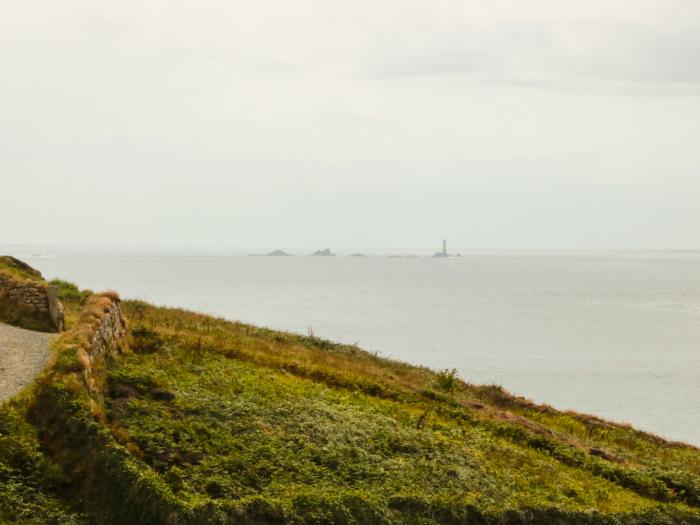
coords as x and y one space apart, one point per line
615 334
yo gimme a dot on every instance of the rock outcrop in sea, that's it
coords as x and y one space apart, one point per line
323 253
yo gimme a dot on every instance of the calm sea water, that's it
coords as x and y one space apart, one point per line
613 334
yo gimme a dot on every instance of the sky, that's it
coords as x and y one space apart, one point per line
234 126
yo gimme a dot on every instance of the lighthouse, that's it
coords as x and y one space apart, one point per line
443 253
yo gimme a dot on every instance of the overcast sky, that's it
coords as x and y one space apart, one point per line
362 125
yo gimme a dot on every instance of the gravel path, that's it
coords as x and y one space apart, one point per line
23 354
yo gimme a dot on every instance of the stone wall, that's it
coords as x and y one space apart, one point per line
103 334
30 304
109 337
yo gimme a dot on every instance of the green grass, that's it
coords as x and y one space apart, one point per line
227 416
69 293
30 483
211 421
73 299
227 430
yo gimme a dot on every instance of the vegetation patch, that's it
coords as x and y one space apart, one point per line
203 420
18 270
249 425
31 485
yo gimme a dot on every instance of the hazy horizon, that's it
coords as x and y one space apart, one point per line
67 250
305 125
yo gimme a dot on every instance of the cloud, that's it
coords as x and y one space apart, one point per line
590 42
555 41
288 111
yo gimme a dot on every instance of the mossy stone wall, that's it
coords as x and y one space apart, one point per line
30 304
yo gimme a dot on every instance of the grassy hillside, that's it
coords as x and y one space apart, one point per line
18 269
211 421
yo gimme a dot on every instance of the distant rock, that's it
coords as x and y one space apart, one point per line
274 253
357 255
323 253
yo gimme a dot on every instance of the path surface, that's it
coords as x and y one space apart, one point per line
23 354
